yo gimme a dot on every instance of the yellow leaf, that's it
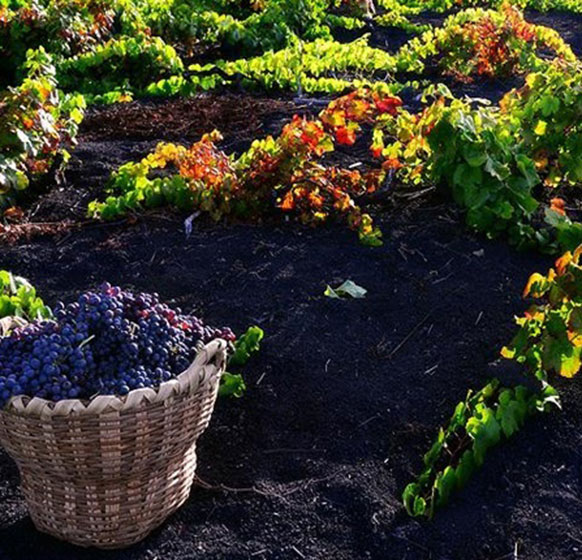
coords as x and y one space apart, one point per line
570 366
535 278
507 353
540 128
575 338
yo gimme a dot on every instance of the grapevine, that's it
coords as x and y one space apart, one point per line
483 420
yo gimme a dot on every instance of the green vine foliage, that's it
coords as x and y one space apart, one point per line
548 112
246 345
232 384
488 42
548 343
505 165
482 421
62 27
440 6
126 63
549 339
313 66
244 31
319 65
484 168
18 298
398 13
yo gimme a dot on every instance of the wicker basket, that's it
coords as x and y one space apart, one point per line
107 472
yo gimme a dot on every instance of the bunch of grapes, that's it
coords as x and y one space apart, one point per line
107 342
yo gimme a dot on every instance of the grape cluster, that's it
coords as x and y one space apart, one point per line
107 342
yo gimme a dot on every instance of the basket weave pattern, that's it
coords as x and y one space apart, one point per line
107 472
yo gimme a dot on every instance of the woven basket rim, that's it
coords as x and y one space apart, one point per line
188 380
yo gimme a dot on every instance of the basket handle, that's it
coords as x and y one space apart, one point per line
212 353
11 322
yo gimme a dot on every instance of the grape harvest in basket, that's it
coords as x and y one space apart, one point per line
107 342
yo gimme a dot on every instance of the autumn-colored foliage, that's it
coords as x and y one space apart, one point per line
274 174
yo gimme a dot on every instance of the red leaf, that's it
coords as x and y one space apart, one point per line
388 105
345 136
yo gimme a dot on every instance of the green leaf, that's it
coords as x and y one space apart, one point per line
346 289
465 468
434 452
555 219
409 495
465 174
445 484
497 169
550 105
510 413
527 167
560 355
549 397
485 431
247 344
419 506
474 154
570 236
231 385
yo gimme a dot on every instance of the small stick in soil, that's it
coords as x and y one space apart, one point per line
417 194
63 239
431 370
299 553
299 485
368 420
574 538
514 555
223 488
410 334
438 281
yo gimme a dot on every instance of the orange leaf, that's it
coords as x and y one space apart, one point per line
558 205
288 202
14 213
563 262
391 163
345 136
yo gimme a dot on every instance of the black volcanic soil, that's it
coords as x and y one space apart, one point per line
345 396
335 418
